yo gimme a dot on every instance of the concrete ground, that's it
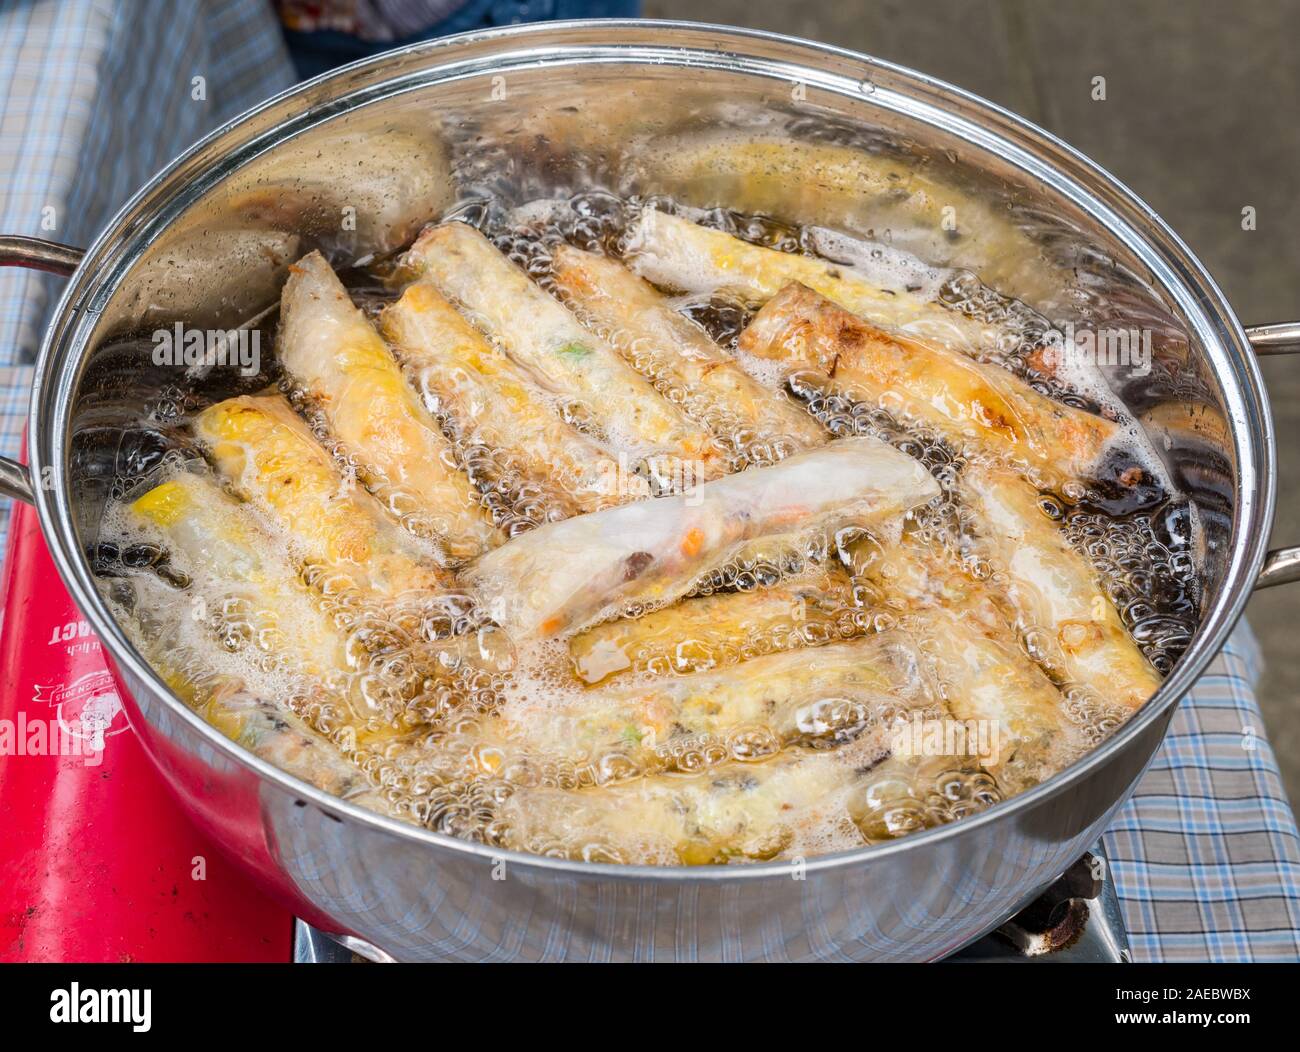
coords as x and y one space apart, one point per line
1199 120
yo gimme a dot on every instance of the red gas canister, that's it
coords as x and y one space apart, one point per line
99 863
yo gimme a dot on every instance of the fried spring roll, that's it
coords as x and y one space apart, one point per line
459 372
1070 622
974 405
852 189
538 332
327 345
825 696
678 254
755 423
234 570
281 738
252 596
972 649
737 812
986 678
272 459
698 634
565 575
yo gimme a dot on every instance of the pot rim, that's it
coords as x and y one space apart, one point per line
1043 156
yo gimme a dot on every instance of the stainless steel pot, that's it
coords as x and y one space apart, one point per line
355 161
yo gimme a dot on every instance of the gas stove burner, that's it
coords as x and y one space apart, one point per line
1076 920
313 946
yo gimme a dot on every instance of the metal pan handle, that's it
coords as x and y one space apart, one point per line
1281 565
34 254
1282 338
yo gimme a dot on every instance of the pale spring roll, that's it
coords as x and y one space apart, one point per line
755 424
457 371
787 806
771 558
264 722
824 697
539 333
978 407
242 590
281 738
677 254
986 680
1069 621
357 683
564 575
236 574
339 530
710 631
734 813
973 652
331 350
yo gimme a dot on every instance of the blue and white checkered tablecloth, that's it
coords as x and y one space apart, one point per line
96 95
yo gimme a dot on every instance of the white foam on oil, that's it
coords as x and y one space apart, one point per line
878 264
445 767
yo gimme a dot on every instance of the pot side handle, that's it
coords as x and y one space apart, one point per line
1281 565
54 258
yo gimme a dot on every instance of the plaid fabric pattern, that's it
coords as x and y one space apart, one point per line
1205 856
98 94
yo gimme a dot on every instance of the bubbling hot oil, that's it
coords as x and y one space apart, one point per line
451 744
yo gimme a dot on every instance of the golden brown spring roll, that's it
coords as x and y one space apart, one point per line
568 574
459 372
328 347
712 631
1070 622
755 424
677 254
337 529
977 407
539 333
